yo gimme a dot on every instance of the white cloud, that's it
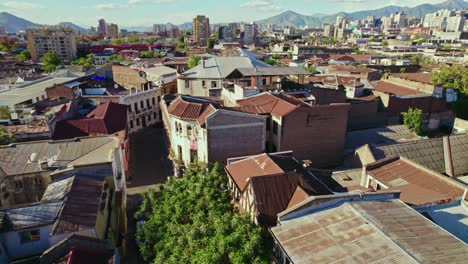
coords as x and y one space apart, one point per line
22 5
129 4
262 5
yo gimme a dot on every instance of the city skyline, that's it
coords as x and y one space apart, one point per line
135 13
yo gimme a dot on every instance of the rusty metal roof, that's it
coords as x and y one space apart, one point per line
390 88
266 103
418 186
378 231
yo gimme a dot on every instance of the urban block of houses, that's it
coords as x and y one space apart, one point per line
363 227
266 184
26 168
206 79
202 130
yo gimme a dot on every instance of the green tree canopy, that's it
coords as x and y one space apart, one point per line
193 61
133 38
455 77
87 61
413 120
210 43
51 61
4 112
146 54
24 55
192 221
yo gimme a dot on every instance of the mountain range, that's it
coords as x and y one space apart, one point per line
290 18
15 24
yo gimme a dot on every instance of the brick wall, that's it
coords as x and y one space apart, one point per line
127 78
324 96
365 115
317 134
60 91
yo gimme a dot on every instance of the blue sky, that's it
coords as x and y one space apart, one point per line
148 12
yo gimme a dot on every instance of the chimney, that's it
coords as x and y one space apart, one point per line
203 62
448 156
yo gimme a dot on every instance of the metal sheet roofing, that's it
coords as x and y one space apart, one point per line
219 67
15 158
268 71
34 215
384 231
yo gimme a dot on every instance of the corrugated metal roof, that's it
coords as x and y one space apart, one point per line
378 136
34 215
390 88
426 188
14 159
57 190
269 71
459 149
219 67
384 231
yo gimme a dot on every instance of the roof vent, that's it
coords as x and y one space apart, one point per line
32 157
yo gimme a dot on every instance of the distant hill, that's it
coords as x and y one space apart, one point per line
289 18
14 24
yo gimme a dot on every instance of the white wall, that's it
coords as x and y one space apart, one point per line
145 112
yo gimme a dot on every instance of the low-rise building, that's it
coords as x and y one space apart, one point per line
267 184
361 228
143 108
202 130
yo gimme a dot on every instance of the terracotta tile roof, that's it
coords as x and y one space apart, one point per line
432 188
415 77
334 79
106 119
351 69
266 103
390 88
189 108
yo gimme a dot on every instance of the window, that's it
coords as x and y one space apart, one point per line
187 84
136 107
275 128
148 103
37 180
130 108
214 84
189 130
149 117
131 124
153 101
142 104
18 184
268 124
29 236
203 84
138 121
264 81
159 98
155 116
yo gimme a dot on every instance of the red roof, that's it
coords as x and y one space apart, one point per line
192 108
266 103
106 119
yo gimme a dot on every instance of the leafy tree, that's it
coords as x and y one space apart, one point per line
133 39
420 41
372 39
8 44
355 50
192 221
51 61
210 43
402 70
116 58
24 55
271 61
146 54
311 68
4 112
385 43
117 41
193 61
413 120
6 139
455 77
276 56
87 61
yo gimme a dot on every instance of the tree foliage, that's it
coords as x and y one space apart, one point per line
455 77
192 221
116 58
146 54
133 38
419 59
5 139
51 61
193 61
271 61
4 112
87 61
8 44
210 43
24 55
413 120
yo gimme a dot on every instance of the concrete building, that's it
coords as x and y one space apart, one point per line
143 108
59 40
328 30
102 27
201 30
113 30
201 130
456 23
250 33
207 78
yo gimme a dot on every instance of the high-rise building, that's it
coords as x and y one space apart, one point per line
250 33
201 30
102 27
174 32
328 30
113 30
60 40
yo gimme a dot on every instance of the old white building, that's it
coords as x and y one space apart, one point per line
143 108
